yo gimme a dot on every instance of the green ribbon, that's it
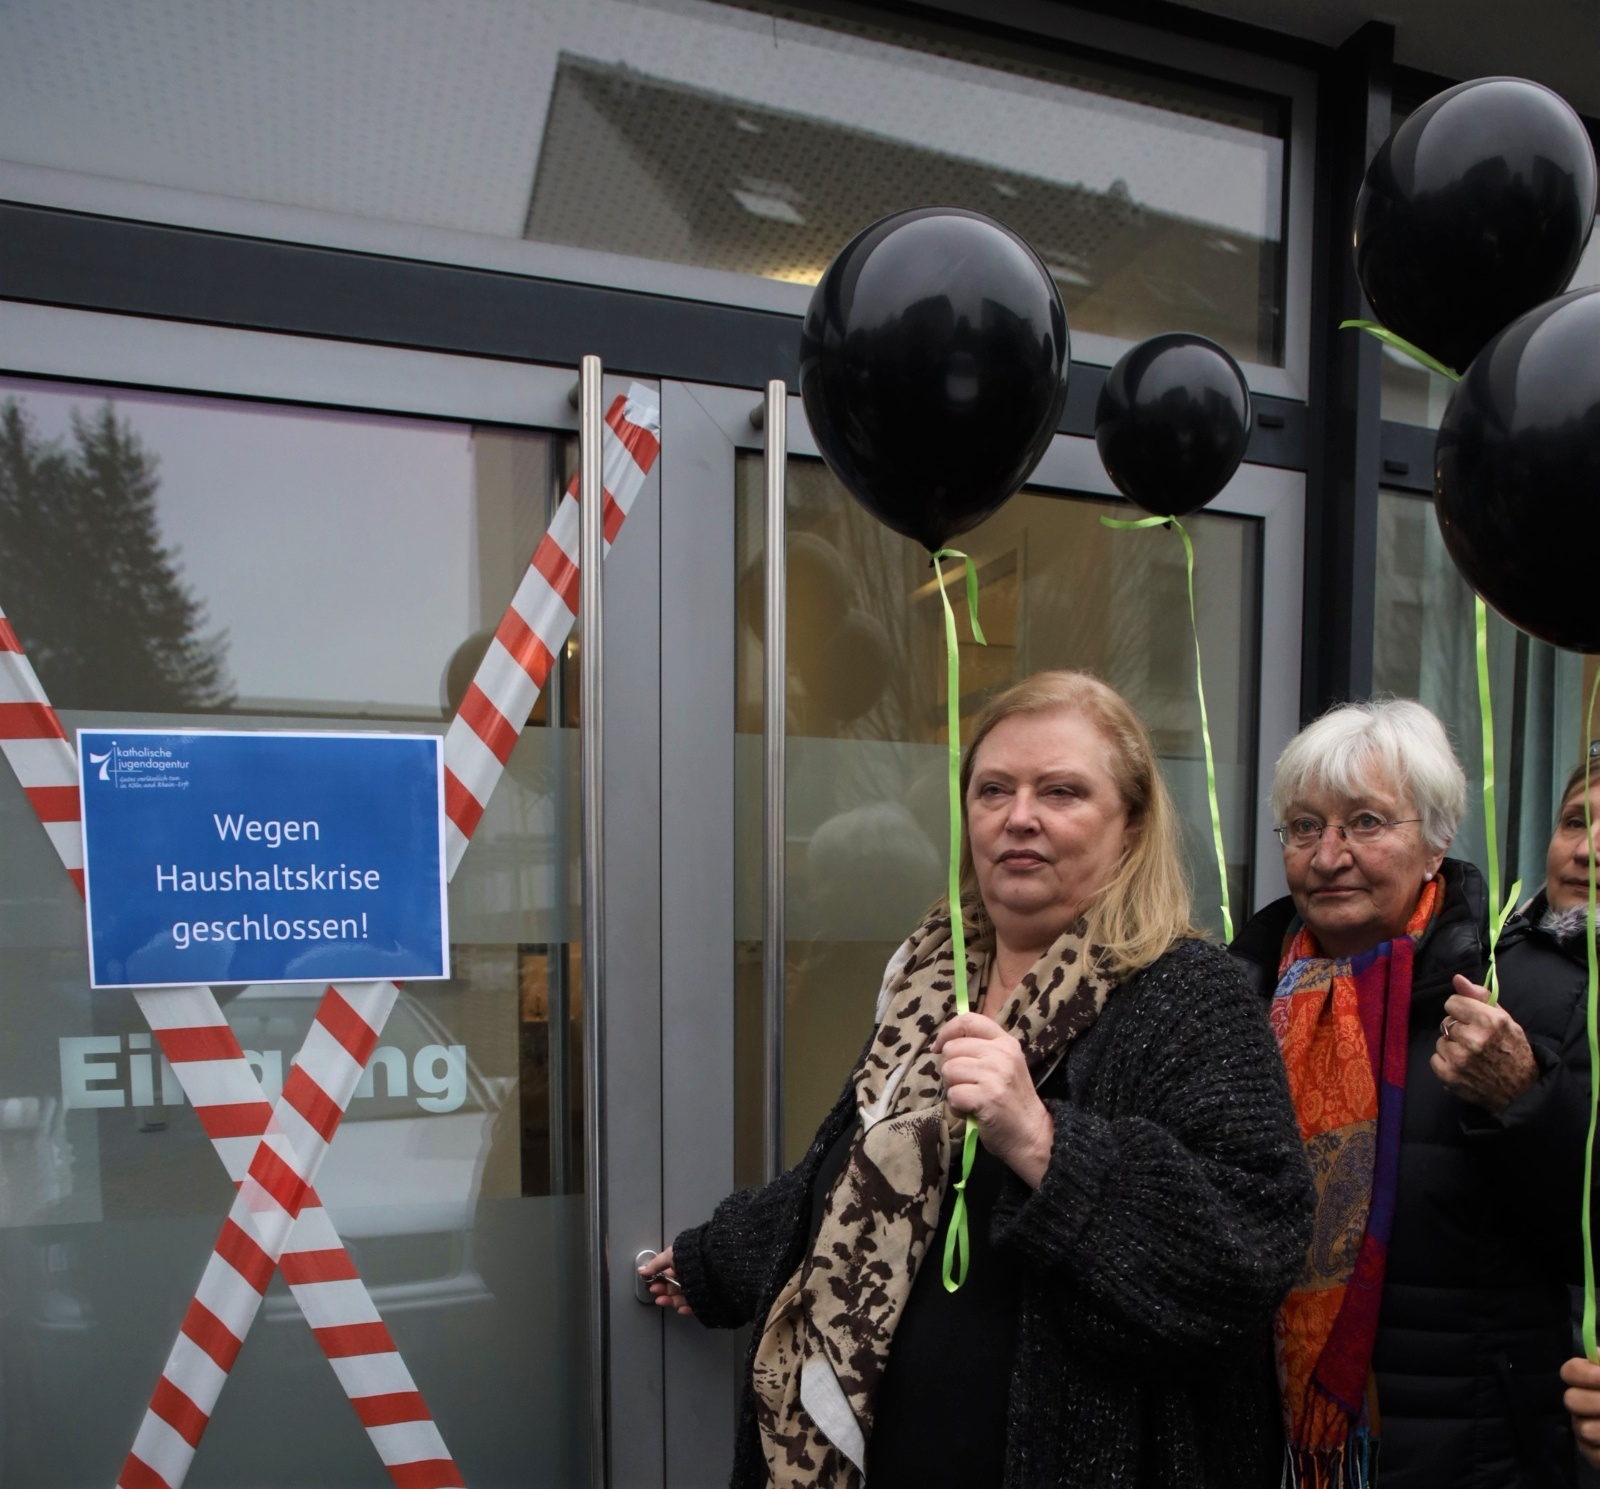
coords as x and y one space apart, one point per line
1400 344
957 1242
1500 910
1200 690
1589 1347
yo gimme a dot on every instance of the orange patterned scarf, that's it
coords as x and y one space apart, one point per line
1341 1024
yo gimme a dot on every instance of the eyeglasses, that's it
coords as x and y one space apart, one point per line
1363 828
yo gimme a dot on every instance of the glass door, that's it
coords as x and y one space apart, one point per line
864 784
867 816
248 562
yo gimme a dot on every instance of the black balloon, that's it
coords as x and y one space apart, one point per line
933 364
1172 423
1473 211
1517 472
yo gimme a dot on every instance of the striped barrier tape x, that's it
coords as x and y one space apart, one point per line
232 1107
273 1155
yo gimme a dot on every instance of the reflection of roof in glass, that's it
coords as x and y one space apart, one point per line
639 165
428 113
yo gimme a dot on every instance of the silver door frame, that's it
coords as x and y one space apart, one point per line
698 635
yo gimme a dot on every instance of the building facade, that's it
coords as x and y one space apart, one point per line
292 299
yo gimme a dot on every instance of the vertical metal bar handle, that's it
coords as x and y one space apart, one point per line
591 718
558 959
774 726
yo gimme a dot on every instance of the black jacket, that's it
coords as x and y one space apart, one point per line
1475 1319
1169 1225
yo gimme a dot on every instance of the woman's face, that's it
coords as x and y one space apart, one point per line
1045 818
1355 895
1566 865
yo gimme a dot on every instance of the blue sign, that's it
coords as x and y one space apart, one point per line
214 856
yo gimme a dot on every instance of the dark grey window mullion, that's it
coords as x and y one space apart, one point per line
1345 456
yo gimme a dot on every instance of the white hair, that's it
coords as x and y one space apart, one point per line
1393 742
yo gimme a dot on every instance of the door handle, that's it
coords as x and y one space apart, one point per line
775 417
641 1285
591 550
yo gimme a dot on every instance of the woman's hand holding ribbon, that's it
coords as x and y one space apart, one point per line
987 1078
1482 1055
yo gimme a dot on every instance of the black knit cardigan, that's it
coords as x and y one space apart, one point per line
1173 1217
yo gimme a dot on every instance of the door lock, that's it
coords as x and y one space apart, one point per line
641 1285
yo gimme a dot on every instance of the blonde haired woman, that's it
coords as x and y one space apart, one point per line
1139 1205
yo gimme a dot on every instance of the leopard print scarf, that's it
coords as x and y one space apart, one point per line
827 1336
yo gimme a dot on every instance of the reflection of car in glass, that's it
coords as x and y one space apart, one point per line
403 1176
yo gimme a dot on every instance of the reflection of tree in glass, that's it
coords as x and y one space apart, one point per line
97 600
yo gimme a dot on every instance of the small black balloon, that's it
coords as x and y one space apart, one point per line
1172 423
1472 212
933 365
1517 472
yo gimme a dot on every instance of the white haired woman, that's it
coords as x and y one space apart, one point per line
1430 1313
1138 1206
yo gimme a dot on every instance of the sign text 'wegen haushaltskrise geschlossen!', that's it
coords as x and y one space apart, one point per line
232 857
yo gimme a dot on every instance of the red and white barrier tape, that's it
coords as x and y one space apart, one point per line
537 623
276 1219
323 1077
320 1273
232 1107
36 749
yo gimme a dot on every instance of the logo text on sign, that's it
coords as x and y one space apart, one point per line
230 857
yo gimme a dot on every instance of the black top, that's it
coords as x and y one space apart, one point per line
1173 1215
939 1418
1473 1324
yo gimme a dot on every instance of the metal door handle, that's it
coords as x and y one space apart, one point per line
591 712
774 728
641 1285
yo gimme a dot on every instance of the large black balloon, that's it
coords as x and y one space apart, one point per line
1517 472
1473 211
1172 422
933 364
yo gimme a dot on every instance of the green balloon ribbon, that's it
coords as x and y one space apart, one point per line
1589 1346
1400 344
1499 910
957 1242
1200 690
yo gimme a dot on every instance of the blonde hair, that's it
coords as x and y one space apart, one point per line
1144 907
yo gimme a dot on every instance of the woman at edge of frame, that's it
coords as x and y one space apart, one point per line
1140 1201
1545 942
1464 1153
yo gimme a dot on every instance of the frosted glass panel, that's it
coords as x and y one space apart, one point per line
867 811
